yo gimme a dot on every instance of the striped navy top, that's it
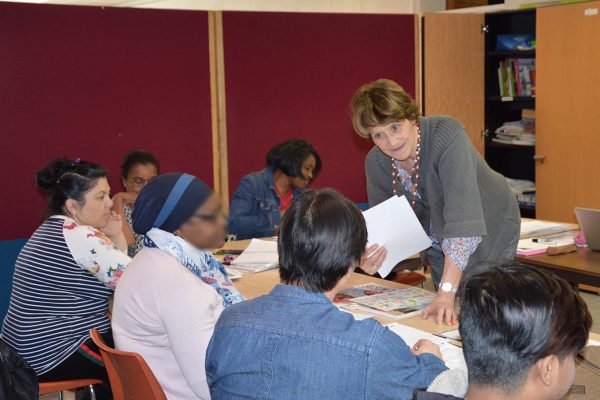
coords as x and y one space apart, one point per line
63 277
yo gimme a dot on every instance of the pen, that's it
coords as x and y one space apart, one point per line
544 241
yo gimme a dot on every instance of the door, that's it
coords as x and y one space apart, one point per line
453 69
567 110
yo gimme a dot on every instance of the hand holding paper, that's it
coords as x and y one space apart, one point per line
394 225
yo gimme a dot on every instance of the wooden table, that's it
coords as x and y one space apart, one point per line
580 267
253 285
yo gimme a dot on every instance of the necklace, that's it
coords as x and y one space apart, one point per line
414 174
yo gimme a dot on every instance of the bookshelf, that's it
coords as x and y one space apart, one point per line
512 161
460 78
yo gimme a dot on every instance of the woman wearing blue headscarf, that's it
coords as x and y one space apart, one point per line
174 291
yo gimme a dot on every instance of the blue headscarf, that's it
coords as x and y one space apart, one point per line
167 201
163 205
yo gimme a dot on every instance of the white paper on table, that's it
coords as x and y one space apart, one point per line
259 252
233 273
453 355
453 334
531 227
454 358
358 317
394 225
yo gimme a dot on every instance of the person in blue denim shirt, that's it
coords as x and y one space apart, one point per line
294 343
262 197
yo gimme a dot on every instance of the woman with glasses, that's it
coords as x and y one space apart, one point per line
167 306
137 168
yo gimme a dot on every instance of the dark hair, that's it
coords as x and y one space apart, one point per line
514 315
322 236
289 156
136 157
64 179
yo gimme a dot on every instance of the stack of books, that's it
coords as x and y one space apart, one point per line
517 132
516 77
524 191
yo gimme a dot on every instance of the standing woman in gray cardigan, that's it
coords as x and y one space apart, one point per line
466 208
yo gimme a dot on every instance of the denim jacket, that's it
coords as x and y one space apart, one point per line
295 344
254 209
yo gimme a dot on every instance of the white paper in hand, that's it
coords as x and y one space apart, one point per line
394 225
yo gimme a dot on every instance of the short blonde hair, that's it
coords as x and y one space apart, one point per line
378 103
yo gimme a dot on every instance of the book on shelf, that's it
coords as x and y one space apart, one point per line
516 77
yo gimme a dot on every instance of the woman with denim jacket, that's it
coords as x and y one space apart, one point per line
262 197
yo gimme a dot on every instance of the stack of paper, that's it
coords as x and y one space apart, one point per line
536 227
527 247
394 225
260 255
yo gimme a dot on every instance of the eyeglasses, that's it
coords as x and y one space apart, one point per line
139 182
210 217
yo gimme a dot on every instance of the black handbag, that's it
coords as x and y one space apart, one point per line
18 381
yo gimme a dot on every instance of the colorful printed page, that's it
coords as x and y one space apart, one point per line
403 300
368 289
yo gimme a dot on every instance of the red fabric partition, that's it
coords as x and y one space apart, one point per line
293 75
94 83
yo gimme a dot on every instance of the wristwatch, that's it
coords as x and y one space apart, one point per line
447 287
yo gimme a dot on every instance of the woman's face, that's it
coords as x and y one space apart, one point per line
206 229
396 139
307 171
138 176
95 209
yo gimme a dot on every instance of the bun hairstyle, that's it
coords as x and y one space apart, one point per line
64 179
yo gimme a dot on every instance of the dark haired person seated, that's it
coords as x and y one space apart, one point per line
262 197
169 299
294 343
521 329
65 274
137 168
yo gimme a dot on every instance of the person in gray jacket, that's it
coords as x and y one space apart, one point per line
467 209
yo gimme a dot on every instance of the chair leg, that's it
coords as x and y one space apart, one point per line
60 395
92 392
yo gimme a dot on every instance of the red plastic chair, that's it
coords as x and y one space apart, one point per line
130 376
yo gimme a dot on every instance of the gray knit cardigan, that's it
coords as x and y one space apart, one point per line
461 195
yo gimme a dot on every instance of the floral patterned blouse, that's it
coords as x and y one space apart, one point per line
458 249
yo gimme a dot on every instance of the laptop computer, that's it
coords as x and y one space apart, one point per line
589 222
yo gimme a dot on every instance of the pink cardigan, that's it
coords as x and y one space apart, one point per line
165 313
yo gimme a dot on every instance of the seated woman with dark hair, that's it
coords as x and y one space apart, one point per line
294 343
174 290
65 274
521 329
137 168
262 197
